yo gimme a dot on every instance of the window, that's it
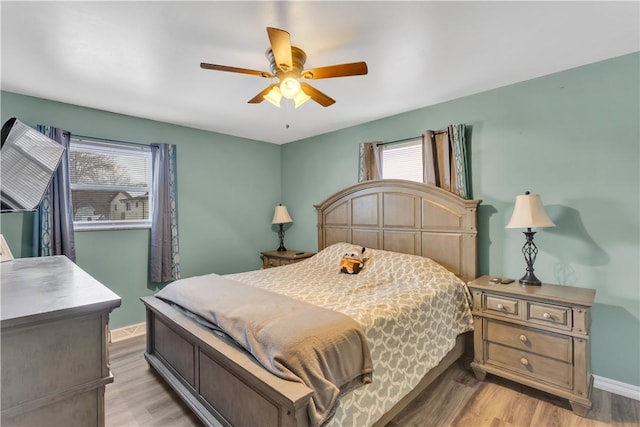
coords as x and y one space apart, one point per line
105 180
403 161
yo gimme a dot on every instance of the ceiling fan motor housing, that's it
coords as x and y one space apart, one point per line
298 56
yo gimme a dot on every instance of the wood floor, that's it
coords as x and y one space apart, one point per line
139 397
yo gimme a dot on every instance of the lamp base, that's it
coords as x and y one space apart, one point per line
529 250
530 279
281 237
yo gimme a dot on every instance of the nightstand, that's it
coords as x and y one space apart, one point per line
278 258
535 335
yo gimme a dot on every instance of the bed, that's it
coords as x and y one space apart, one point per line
394 220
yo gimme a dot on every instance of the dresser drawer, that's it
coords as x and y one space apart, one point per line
546 344
556 316
501 306
532 365
74 344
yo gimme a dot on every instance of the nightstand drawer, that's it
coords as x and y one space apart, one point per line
279 258
272 262
546 344
549 315
538 367
500 306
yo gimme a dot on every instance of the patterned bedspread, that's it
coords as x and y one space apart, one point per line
411 309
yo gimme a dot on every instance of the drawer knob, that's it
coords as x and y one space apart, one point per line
546 316
500 307
524 361
523 338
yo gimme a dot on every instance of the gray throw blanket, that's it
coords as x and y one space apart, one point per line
297 341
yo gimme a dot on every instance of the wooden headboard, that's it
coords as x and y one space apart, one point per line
404 216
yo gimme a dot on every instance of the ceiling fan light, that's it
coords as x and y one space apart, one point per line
290 87
301 98
274 96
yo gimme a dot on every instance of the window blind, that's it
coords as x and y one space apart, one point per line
105 180
403 161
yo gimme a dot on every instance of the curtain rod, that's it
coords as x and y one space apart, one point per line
437 132
109 140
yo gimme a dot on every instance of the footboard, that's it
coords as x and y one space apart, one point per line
220 383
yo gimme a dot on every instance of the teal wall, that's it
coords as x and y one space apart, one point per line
573 137
227 189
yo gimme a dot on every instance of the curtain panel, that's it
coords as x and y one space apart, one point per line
164 263
444 160
53 220
370 166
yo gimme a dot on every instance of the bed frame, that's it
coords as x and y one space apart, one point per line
225 386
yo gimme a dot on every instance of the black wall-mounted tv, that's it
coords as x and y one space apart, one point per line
28 160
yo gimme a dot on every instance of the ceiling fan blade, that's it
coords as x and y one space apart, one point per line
340 70
216 67
281 48
260 97
316 95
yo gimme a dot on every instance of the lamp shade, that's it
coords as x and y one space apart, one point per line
289 87
274 96
281 215
301 98
529 213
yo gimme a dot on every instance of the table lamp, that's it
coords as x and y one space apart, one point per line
529 213
281 216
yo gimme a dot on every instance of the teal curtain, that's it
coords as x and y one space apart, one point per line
445 160
164 256
459 150
53 220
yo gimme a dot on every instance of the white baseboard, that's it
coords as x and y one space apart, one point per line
128 332
616 387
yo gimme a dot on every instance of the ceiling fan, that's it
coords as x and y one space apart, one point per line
287 64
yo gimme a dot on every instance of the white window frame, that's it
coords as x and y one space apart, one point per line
113 148
397 147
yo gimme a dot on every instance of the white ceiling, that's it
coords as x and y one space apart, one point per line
142 58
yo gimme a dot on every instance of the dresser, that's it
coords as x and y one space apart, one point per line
54 332
278 258
535 335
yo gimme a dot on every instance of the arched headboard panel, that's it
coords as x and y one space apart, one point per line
404 216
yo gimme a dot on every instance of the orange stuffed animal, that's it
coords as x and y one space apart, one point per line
352 263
